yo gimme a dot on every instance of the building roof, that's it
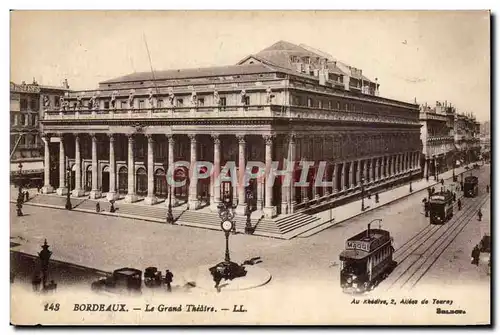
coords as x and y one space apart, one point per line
194 73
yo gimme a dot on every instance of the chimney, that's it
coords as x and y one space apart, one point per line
368 231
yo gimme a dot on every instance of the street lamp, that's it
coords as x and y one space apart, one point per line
44 261
68 200
20 196
170 216
363 192
379 222
248 212
411 189
20 177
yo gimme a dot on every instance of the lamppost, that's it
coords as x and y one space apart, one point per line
68 200
362 192
20 177
20 196
248 212
379 222
170 215
44 260
411 189
436 164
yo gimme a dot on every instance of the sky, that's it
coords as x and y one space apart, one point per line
425 55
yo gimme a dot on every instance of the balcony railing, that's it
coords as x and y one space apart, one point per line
208 112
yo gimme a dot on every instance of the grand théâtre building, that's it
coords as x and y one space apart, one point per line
285 102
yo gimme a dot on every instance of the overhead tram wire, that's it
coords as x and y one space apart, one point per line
150 63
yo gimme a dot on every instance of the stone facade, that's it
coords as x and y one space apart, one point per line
121 139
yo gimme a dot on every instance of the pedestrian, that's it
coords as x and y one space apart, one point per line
112 207
442 181
169 277
475 256
459 204
426 208
462 186
479 215
376 198
454 197
27 195
487 188
427 178
368 195
97 207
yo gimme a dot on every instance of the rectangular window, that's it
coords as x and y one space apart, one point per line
201 102
180 102
123 104
141 104
320 104
56 101
34 104
34 119
159 103
23 104
338 105
223 101
106 104
22 119
12 119
246 100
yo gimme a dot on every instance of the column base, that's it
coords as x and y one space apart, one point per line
259 205
269 212
62 191
241 209
292 207
150 200
47 189
193 204
284 208
78 193
112 196
95 194
130 198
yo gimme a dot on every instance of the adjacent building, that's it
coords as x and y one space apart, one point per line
449 138
285 103
26 146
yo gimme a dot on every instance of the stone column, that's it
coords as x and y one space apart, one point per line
344 175
78 192
62 168
351 175
241 208
150 198
112 195
377 169
95 193
358 174
269 210
131 196
214 178
193 201
260 193
372 165
171 188
47 188
292 157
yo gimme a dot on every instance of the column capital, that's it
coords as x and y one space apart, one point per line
46 136
150 138
241 138
93 136
192 138
170 138
268 139
130 137
111 137
216 138
292 137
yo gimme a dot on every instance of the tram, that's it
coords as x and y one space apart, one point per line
366 260
471 188
441 207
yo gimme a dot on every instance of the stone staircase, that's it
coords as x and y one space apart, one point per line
283 227
294 221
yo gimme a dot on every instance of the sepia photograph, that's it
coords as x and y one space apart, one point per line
294 168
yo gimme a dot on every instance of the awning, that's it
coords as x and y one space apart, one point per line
27 167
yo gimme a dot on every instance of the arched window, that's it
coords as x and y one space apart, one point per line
123 180
88 178
142 182
160 183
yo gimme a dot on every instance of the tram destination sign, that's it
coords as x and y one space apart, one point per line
358 245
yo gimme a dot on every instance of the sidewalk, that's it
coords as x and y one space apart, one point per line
203 218
329 218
